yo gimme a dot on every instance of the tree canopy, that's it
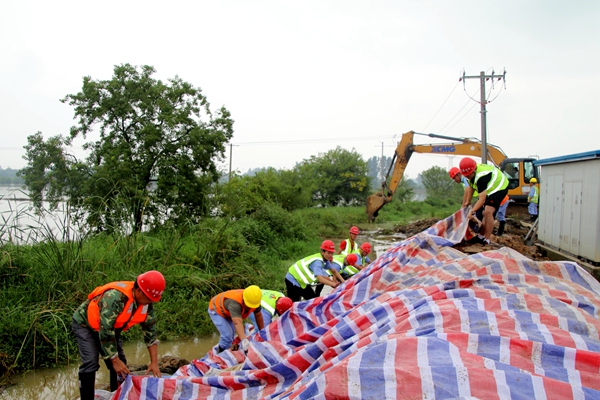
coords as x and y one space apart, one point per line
340 177
154 156
438 185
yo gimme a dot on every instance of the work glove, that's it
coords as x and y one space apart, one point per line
245 345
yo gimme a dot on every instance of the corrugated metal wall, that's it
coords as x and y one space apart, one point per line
569 208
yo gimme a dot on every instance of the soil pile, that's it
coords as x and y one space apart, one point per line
513 237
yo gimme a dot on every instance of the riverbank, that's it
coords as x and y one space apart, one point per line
45 281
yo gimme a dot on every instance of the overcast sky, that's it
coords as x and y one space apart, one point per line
303 77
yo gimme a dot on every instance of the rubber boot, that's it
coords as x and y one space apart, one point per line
501 228
114 382
87 383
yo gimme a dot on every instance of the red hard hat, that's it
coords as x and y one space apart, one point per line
328 245
453 171
366 247
283 304
352 259
467 166
354 230
152 284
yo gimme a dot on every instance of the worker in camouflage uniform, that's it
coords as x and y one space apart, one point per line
98 322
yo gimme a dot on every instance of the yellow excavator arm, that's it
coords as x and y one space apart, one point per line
405 149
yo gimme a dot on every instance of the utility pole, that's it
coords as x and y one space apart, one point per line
483 101
230 158
381 162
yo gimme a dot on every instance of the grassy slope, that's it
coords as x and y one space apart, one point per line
42 284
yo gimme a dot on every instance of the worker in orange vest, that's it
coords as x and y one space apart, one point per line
228 310
98 322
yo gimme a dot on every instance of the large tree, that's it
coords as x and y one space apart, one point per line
154 156
340 177
245 194
438 185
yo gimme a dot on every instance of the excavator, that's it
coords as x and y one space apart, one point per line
518 170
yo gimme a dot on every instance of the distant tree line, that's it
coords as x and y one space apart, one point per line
9 176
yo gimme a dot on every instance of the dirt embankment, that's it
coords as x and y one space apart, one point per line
513 237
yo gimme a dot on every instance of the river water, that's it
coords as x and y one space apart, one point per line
61 383
19 222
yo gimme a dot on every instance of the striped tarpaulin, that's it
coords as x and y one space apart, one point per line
423 321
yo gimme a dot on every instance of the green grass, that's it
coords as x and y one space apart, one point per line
42 283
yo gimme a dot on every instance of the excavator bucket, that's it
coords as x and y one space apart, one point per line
374 203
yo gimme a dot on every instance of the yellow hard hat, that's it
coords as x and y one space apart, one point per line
252 296
533 180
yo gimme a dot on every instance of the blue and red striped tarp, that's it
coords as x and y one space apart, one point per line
423 321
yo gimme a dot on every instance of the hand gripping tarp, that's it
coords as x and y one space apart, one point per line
423 321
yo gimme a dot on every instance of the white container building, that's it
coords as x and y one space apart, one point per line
569 205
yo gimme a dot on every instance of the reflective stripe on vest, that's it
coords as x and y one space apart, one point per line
535 197
497 182
302 273
466 184
217 303
350 270
339 260
269 301
347 250
126 319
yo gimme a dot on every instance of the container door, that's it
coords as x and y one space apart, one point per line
566 217
575 218
545 210
557 201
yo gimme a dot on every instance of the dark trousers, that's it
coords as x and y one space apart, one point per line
296 293
88 342
318 289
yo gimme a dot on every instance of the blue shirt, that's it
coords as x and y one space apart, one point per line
360 260
317 267
465 181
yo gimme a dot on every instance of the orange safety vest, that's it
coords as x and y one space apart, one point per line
217 303
125 320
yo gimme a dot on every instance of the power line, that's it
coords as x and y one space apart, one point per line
464 115
432 118
483 101
308 141
456 115
454 124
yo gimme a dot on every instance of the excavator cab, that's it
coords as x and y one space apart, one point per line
519 171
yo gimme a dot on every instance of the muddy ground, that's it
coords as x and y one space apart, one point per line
514 234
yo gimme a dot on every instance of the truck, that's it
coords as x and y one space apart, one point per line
518 170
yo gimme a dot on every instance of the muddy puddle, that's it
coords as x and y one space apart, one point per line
61 383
